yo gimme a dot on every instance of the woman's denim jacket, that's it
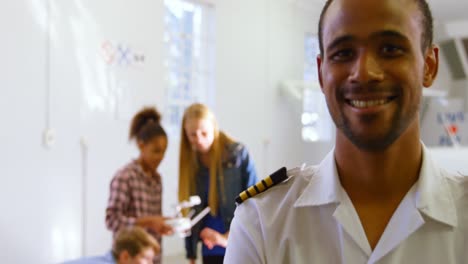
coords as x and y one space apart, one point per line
239 174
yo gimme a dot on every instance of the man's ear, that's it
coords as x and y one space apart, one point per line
319 69
431 65
124 257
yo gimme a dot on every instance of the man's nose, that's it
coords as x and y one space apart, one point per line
366 69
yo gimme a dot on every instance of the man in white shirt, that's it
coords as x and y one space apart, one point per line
377 197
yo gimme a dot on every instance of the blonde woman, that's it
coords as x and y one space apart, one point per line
215 167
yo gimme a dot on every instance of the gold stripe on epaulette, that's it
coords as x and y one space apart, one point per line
270 181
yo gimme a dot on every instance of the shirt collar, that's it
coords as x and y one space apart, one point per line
432 195
142 174
324 185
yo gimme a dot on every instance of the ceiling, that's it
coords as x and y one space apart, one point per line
449 10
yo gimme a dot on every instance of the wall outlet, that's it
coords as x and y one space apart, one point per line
49 138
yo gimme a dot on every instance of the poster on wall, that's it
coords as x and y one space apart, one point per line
443 123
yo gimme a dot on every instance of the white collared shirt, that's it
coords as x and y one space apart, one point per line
310 219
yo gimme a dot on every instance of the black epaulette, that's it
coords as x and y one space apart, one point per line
265 184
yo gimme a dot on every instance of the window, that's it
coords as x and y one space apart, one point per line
316 122
311 50
189 58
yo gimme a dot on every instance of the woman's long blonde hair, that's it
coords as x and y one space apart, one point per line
188 162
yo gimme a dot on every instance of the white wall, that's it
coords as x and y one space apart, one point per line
253 57
452 30
38 197
69 89
107 95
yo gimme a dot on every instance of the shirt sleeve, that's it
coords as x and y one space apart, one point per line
244 243
118 204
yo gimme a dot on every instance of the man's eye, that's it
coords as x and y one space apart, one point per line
392 50
342 55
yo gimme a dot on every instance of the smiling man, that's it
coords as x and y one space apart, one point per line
378 197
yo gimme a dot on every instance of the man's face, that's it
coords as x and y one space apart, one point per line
373 70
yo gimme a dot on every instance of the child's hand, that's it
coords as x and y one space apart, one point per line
157 224
160 226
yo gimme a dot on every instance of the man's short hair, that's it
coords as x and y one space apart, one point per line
133 240
426 23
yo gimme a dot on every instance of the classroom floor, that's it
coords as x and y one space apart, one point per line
177 260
